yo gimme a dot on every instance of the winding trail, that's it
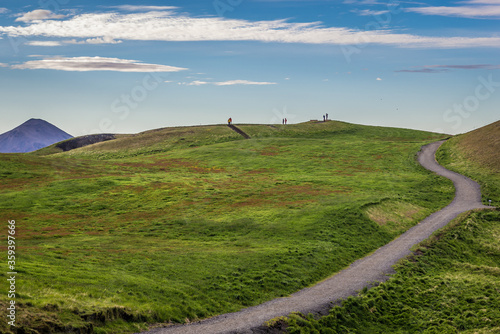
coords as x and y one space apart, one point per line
372 268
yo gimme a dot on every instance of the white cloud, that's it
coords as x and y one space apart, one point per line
446 68
3 10
197 83
97 40
3 65
102 40
171 26
363 2
38 15
484 2
81 64
369 12
378 79
43 43
226 83
475 9
242 82
132 8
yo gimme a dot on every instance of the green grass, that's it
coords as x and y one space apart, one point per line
486 172
451 285
185 223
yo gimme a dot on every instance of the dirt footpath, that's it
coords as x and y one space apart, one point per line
375 267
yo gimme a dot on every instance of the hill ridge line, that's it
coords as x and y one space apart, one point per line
374 267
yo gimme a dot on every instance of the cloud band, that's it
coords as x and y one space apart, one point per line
83 64
167 25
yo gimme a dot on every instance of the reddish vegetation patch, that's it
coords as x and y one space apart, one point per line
238 183
14 183
52 231
135 189
47 232
204 170
270 151
141 216
21 183
14 215
171 164
294 203
259 171
343 174
251 202
52 216
115 250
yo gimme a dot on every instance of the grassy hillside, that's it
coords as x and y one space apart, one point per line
477 155
480 147
167 139
180 224
151 142
452 285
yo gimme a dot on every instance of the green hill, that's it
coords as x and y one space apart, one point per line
477 155
481 146
179 224
166 139
452 285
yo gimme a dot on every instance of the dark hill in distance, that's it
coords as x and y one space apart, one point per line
32 135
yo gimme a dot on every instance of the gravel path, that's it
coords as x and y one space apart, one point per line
372 268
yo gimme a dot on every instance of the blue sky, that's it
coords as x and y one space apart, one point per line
126 67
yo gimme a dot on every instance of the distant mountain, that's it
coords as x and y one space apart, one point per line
32 135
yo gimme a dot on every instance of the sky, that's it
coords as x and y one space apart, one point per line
127 67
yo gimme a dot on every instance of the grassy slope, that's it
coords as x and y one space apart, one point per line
477 155
185 223
454 284
151 142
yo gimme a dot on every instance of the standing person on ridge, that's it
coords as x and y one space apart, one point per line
229 121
